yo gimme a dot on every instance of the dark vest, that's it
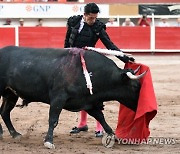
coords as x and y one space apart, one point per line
85 38
88 35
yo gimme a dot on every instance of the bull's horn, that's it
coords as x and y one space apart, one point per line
134 77
137 69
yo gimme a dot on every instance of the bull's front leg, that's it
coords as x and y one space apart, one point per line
1 132
56 107
99 116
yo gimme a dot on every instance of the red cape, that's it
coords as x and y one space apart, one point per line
135 125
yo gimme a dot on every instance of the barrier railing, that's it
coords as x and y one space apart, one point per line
132 39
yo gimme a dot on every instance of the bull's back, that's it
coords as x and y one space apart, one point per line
38 69
28 71
36 58
13 53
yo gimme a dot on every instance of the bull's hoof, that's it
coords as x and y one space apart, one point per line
1 136
17 136
108 140
49 145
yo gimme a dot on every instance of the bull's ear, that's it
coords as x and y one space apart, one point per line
124 77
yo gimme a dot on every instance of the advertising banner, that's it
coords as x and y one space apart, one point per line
160 9
32 10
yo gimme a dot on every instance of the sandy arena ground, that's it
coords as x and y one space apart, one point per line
32 121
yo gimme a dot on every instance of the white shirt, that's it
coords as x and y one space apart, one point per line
163 24
130 24
81 25
112 24
177 25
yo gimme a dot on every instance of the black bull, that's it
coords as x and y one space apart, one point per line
55 77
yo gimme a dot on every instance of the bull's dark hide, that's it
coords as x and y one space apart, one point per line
55 77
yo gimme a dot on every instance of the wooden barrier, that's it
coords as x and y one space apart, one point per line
167 38
128 38
7 36
42 36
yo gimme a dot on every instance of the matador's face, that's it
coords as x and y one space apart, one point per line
90 18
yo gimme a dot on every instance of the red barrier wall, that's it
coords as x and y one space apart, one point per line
167 38
129 37
42 36
7 36
123 37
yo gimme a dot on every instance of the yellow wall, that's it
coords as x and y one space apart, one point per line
120 9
